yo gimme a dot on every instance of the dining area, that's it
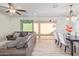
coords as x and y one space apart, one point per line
67 33
68 41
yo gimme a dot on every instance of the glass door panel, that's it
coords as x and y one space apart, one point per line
36 28
46 28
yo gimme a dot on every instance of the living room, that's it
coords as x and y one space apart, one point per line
43 19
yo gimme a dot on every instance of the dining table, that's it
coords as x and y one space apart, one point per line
72 39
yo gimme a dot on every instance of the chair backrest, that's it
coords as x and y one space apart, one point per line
62 39
77 34
73 33
56 36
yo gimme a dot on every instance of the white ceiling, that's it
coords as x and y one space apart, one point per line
44 9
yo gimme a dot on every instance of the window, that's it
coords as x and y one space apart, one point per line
27 25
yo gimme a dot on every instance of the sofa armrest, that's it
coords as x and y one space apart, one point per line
10 37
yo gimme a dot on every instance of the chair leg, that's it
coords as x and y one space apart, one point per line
65 49
74 49
55 41
60 45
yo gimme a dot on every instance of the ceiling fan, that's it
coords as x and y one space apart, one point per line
12 9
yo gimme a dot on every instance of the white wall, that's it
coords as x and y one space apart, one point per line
61 22
76 26
15 24
9 24
4 26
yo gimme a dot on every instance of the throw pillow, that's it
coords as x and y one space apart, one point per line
22 34
16 34
21 43
11 44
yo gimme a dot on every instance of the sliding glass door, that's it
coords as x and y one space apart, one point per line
43 29
46 28
36 28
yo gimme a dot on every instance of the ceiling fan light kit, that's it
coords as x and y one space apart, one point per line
12 9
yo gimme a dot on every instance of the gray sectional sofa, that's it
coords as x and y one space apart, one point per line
22 45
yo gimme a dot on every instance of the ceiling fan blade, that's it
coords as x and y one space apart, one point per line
7 11
4 7
21 10
11 6
18 13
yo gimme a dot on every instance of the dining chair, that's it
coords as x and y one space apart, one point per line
76 43
74 34
56 37
63 41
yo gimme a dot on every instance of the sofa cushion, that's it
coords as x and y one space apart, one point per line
22 42
16 34
11 44
22 34
25 33
10 37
